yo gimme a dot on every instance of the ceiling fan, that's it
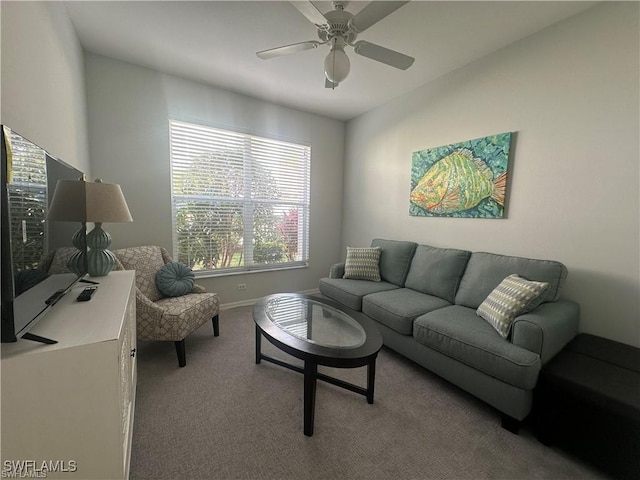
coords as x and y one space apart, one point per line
338 29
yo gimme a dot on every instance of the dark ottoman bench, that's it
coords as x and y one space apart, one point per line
588 402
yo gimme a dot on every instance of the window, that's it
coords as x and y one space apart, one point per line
240 202
27 191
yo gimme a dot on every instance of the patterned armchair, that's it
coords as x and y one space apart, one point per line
56 260
165 318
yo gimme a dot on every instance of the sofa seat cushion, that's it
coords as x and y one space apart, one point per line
459 333
397 309
349 292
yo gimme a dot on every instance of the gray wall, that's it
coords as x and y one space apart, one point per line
571 94
43 94
129 108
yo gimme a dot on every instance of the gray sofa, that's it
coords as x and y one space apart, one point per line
425 308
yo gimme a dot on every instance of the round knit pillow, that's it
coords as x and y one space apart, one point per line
175 279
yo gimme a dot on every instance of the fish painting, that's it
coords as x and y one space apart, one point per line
458 182
462 180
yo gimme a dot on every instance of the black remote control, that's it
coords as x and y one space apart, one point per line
54 298
86 294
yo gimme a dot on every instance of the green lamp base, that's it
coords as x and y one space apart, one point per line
100 261
78 261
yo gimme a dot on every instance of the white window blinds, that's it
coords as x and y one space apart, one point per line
27 192
240 202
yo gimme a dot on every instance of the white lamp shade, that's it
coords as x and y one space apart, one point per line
81 201
336 65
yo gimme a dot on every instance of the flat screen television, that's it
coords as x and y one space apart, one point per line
28 289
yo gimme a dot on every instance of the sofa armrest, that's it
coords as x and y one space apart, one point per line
336 270
547 329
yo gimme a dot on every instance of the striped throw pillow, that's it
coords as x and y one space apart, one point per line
363 263
515 295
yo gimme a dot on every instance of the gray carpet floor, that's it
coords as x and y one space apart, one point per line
224 417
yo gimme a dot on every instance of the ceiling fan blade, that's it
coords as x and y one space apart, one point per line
329 84
287 49
384 55
373 13
312 13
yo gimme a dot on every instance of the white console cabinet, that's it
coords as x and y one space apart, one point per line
68 407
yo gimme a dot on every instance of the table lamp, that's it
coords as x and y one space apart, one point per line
97 202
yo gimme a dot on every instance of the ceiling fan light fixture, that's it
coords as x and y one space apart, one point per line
336 65
339 29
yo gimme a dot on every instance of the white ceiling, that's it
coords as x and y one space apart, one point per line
214 42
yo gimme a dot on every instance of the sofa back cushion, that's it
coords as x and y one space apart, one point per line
395 259
485 271
437 271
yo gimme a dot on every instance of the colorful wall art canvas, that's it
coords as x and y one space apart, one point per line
464 180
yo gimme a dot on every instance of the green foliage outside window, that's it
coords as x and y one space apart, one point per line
210 215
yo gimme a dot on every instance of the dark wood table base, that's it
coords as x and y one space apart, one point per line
311 375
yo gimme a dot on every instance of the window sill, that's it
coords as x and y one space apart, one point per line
233 272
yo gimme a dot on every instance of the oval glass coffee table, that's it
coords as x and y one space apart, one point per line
317 331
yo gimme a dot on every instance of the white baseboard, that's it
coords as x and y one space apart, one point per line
251 301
